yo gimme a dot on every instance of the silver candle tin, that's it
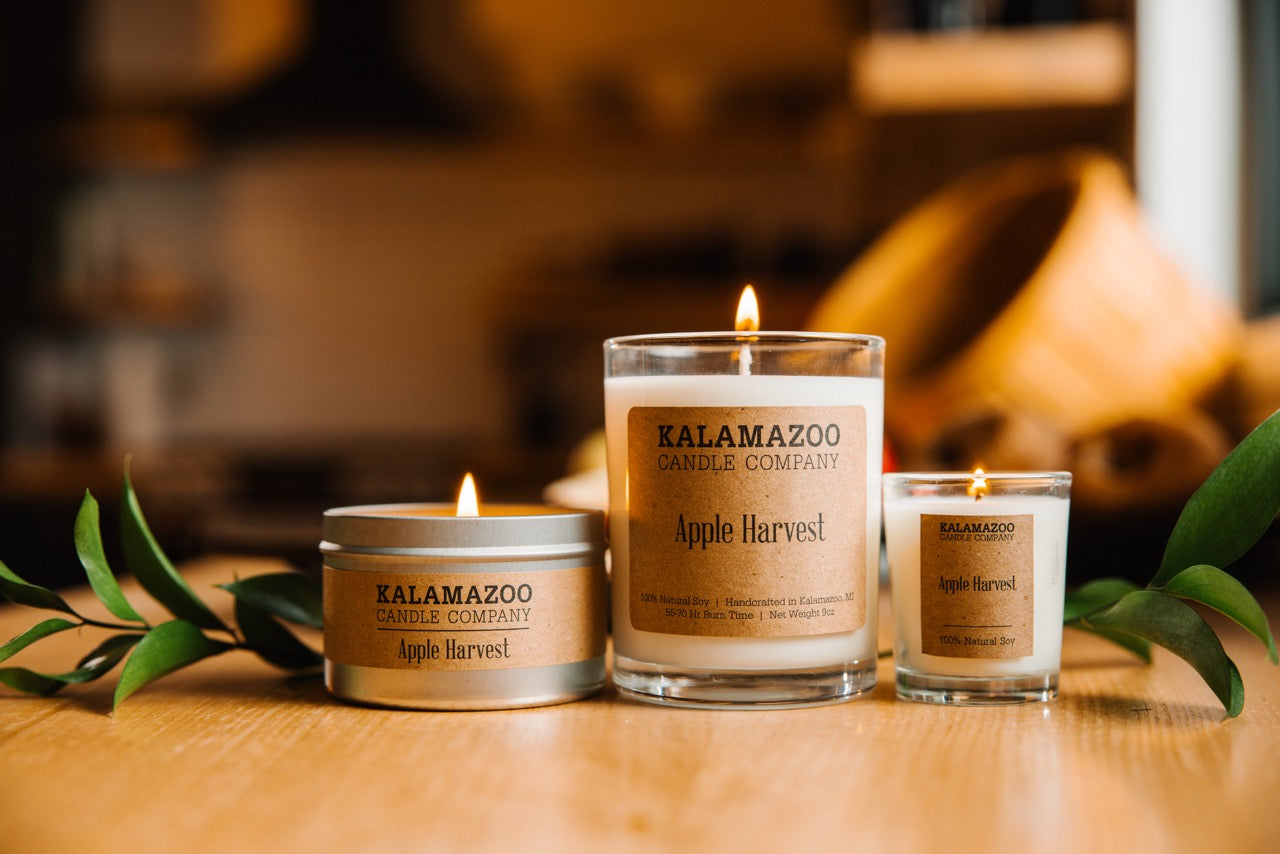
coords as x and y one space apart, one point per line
424 609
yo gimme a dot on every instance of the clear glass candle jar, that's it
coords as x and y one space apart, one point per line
977 567
744 520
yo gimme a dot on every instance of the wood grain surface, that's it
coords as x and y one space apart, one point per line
230 755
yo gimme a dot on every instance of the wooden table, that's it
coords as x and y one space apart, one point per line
229 755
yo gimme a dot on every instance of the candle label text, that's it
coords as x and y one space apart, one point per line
747 521
425 619
977 586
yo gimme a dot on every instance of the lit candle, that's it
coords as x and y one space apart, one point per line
744 473
977 564
454 606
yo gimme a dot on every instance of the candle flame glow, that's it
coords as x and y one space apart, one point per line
978 487
748 319
468 500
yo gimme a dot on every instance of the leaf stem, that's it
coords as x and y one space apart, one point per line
144 625
124 627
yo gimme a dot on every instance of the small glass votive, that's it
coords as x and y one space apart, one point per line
977 567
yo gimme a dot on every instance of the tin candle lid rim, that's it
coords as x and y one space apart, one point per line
519 530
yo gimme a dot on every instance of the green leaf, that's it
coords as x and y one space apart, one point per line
289 595
107 654
1210 586
1136 645
35 633
104 657
274 643
1174 625
30 682
21 592
1232 509
149 564
94 560
1094 596
166 648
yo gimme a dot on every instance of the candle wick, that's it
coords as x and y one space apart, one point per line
744 360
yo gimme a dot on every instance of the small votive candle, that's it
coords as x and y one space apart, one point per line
744 472
437 606
977 568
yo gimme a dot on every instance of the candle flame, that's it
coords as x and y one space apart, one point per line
748 319
468 500
978 487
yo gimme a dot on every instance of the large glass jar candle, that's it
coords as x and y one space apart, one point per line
744 515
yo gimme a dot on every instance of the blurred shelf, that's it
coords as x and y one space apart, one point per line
1084 65
139 304
133 141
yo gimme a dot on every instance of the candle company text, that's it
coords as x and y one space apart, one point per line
748 436
453 594
751 462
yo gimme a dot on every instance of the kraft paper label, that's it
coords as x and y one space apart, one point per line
747 521
977 586
464 620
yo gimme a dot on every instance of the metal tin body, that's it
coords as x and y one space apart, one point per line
424 609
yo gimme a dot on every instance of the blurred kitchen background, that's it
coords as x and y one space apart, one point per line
291 254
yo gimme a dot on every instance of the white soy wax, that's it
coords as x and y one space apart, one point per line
977 577
744 515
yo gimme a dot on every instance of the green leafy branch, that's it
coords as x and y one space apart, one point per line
152 651
1225 517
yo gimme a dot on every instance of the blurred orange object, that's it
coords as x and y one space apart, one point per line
1031 285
